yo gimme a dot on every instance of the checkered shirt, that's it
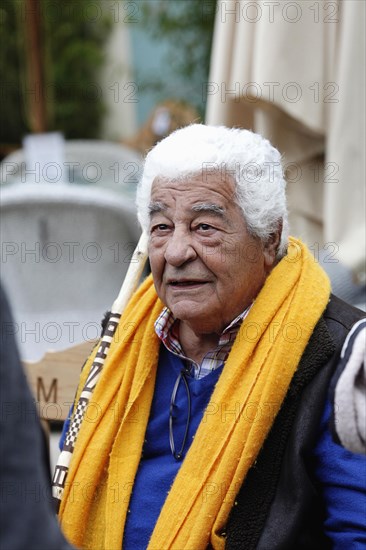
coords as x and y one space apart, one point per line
166 327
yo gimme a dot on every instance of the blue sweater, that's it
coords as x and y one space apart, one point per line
340 473
158 467
342 478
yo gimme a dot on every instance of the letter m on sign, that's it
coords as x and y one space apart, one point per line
48 395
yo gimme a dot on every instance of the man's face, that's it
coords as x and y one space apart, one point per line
206 266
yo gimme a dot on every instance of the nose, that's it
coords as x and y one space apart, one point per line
179 247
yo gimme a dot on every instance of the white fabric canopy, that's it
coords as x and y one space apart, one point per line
295 72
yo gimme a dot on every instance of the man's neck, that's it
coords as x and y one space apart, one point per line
196 345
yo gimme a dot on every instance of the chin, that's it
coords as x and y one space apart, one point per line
198 321
184 314
187 312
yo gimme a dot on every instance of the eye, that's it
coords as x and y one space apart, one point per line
205 226
159 228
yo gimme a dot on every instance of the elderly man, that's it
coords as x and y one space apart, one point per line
212 404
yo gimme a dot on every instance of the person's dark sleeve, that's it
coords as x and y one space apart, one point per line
27 520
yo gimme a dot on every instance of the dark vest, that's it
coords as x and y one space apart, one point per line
278 506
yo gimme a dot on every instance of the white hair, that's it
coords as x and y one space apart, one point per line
251 160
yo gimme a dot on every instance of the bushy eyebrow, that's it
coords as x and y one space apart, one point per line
210 208
155 207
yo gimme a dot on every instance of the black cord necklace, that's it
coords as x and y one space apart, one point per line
181 377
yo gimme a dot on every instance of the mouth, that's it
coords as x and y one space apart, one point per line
185 283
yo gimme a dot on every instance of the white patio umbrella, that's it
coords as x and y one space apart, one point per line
295 72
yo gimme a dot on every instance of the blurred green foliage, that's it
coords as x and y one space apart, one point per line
73 34
12 123
187 27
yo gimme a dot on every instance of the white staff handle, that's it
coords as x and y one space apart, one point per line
133 275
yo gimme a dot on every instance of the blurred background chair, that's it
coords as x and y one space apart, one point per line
65 251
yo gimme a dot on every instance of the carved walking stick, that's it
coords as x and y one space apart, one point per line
129 285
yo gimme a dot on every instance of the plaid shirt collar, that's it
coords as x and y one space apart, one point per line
166 327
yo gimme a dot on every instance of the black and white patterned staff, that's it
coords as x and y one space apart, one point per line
129 285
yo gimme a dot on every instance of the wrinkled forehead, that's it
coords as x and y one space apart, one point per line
213 176
203 182
211 193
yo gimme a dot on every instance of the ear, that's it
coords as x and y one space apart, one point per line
271 247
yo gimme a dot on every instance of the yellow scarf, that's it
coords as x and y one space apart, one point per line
245 401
